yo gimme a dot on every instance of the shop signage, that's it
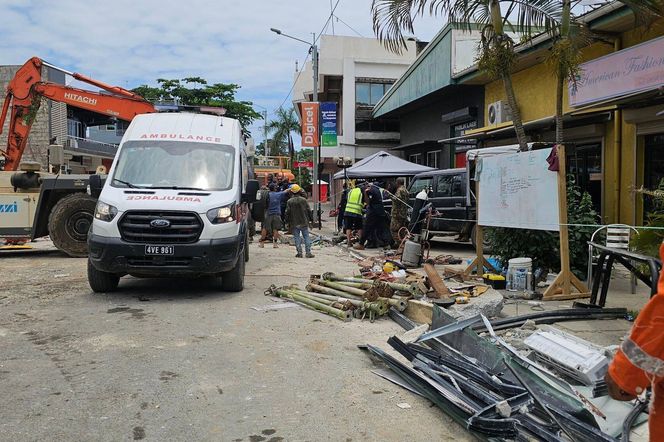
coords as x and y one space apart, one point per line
308 164
632 70
310 134
328 113
459 130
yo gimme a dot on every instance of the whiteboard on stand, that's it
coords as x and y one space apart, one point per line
517 190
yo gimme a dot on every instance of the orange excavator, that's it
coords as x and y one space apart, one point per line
26 89
34 204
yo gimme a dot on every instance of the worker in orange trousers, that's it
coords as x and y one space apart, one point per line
639 362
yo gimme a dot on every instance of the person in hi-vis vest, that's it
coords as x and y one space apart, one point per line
639 363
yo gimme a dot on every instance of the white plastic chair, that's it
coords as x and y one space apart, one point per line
618 236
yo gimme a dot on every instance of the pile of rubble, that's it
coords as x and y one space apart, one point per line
550 390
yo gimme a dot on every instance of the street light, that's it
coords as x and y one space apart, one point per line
344 163
314 62
264 126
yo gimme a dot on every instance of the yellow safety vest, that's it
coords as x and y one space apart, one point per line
354 203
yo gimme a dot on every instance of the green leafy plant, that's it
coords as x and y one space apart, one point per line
543 247
31 115
649 240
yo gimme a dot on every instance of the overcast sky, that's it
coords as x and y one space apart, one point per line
134 42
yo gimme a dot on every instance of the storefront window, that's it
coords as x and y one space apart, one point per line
654 167
584 162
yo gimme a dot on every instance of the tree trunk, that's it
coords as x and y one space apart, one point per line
497 23
516 112
565 27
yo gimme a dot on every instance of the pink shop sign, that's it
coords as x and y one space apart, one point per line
635 69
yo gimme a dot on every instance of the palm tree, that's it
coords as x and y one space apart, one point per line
281 127
392 17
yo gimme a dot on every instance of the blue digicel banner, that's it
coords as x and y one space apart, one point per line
328 111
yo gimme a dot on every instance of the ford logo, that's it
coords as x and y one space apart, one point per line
160 223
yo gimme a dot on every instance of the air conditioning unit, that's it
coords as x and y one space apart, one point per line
498 112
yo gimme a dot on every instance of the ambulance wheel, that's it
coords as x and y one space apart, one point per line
233 280
101 282
69 222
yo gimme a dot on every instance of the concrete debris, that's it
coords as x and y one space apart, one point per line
529 325
504 409
412 335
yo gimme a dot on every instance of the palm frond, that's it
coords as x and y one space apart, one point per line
393 18
534 16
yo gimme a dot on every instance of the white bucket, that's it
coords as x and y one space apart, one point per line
518 272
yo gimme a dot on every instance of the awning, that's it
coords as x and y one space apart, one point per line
422 143
506 130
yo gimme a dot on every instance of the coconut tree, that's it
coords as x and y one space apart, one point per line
281 127
393 18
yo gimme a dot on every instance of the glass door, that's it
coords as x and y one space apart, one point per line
584 161
653 167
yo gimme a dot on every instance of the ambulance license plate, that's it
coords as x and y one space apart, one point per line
159 250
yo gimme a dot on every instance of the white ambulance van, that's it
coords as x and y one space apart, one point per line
175 203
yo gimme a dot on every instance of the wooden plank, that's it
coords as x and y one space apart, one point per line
567 297
439 287
562 218
419 311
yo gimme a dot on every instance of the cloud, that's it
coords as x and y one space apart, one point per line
134 42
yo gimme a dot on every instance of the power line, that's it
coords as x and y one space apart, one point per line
327 22
295 81
348 26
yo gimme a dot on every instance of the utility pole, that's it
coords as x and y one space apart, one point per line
317 153
317 159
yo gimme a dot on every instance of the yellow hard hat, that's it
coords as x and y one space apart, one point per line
295 188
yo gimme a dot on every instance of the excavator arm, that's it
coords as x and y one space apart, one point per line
26 89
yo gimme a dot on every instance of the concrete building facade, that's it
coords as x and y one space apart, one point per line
355 73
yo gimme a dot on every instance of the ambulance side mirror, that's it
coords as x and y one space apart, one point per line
252 191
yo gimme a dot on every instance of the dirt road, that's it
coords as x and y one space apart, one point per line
179 360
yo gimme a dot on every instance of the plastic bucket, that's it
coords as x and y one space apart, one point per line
519 270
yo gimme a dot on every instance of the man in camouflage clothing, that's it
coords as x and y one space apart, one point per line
399 210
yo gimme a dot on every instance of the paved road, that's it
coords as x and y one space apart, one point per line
178 360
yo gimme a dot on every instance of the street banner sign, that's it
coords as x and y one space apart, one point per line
310 134
328 111
307 164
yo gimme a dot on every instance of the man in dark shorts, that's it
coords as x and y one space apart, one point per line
353 213
272 222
